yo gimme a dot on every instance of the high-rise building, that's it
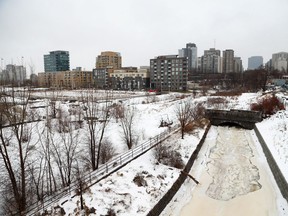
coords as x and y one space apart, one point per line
190 52
211 61
106 63
228 61
57 61
280 61
238 67
109 59
14 73
254 62
169 72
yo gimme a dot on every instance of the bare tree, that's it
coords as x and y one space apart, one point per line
183 114
37 172
45 135
127 122
117 111
53 97
198 111
14 109
97 116
65 150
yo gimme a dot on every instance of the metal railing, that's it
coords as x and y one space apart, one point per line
103 171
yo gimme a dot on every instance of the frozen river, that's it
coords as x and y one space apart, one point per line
236 179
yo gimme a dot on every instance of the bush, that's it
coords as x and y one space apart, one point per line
268 105
189 127
168 156
217 102
229 93
139 180
107 151
110 212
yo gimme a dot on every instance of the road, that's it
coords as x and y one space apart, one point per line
236 179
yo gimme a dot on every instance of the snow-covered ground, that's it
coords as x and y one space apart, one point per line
274 131
119 192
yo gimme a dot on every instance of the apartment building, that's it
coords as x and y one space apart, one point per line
66 79
13 74
210 62
238 66
228 61
280 61
106 63
190 52
130 78
109 59
169 72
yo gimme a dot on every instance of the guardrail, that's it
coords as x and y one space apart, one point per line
102 172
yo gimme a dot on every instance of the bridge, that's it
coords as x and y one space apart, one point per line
243 118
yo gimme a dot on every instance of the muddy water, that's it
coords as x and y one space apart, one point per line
235 181
230 166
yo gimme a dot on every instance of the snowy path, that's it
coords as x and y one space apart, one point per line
236 181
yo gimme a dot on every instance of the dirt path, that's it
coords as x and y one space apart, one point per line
235 181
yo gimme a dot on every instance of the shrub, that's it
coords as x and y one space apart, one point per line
139 180
229 93
217 102
168 156
189 127
110 212
107 151
268 105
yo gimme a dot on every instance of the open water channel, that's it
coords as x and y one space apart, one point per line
236 179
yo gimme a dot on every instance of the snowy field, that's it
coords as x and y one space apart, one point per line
119 192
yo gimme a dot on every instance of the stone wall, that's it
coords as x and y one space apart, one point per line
280 179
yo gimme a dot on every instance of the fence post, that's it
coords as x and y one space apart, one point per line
106 168
120 160
132 153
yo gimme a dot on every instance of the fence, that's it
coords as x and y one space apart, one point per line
279 178
104 170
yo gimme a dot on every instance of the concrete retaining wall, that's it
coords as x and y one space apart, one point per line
280 179
164 201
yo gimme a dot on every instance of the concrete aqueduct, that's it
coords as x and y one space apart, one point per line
243 118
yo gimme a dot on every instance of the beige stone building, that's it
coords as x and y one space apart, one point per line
109 59
66 79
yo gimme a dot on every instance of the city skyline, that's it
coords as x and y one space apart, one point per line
138 30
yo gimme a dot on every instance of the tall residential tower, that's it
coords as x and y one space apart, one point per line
190 52
228 61
210 62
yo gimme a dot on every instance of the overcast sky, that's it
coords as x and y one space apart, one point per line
139 29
